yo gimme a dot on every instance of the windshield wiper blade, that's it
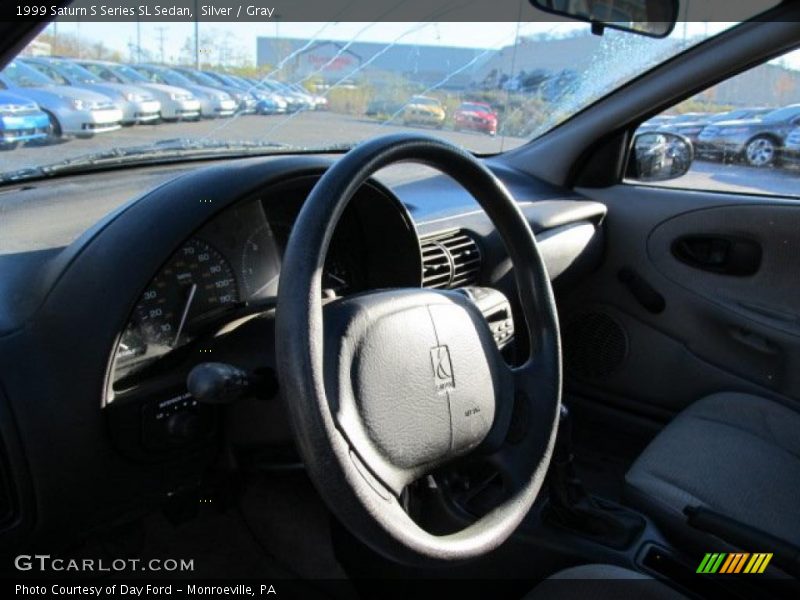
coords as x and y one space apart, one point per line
171 148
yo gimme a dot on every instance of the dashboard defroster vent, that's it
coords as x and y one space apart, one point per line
450 260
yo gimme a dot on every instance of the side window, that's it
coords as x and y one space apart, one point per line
745 132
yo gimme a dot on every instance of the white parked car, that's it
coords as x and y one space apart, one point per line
177 103
213 102
138 104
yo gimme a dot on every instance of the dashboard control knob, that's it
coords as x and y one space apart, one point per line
185 425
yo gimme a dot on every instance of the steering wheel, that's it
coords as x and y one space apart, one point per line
383 388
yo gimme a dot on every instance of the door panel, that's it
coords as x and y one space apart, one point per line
726 269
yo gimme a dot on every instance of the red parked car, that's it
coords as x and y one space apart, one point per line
477 116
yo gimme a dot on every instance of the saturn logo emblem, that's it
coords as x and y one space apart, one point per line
442 369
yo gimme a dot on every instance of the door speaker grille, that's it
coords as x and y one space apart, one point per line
595 345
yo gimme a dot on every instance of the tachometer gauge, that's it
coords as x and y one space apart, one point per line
336 276
196 280
261 263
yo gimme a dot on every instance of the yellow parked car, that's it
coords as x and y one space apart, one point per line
422 110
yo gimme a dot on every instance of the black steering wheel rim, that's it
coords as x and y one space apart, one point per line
358 492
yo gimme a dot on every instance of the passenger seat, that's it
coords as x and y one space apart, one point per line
733 453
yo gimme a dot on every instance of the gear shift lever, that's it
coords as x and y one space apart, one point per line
565 487
572 507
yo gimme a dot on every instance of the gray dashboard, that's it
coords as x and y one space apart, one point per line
64 304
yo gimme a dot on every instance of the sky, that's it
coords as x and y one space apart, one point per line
120 36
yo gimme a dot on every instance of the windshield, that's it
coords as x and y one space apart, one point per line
76 72
129 73
164 76
325 86
24 76
203 79
226 80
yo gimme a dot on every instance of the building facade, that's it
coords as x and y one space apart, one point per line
334 62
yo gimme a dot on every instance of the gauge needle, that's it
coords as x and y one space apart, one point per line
185 314
264 287
336 278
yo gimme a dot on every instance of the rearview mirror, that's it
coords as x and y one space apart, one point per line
659 157
654 18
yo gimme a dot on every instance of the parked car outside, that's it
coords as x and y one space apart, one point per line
790 154
757 141
691 125
72 111
294 101
21 120
688 125
138 105
214 103
654 123
245 103
422 110
318 102
245 99
741 113
267 103
477 116
261 91
176 103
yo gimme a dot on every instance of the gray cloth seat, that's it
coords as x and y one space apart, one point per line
599 582
733 453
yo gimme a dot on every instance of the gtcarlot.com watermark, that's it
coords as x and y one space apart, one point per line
45 563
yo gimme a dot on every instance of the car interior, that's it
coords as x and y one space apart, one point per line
406 362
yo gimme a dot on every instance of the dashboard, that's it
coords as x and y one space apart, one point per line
150 271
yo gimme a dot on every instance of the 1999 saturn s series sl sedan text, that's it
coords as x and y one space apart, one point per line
371 351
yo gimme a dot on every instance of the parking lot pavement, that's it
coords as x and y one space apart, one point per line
321 129
309 129
738 178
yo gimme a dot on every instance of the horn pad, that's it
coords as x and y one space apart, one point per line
424 374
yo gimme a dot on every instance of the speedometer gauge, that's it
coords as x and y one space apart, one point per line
196 280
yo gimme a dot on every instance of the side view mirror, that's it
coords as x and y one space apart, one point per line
659 156
653 18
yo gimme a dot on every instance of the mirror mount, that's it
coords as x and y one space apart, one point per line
652 18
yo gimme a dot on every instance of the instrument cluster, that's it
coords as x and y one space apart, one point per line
234 262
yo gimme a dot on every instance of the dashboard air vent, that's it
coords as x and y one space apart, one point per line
450 260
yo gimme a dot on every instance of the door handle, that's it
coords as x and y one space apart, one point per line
722 254
753 340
